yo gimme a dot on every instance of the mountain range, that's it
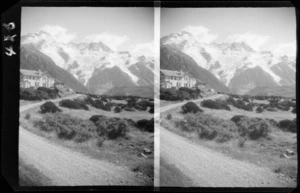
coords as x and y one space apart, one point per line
236 65
94 67
93 64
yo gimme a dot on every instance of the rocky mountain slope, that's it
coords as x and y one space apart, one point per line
94 64
32 59
171 58
237 65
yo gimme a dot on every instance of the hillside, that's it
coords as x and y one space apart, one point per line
143 91
172 58
33 59
285 91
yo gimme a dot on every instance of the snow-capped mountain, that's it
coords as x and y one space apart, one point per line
94 64
237 65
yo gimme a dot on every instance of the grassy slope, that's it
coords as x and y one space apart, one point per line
265 153
124 151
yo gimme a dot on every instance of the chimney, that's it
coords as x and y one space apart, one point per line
181 73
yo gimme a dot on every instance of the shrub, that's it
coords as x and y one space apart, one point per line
237 118
41 93
96 118
271 109
128 109
73 104
49 107
116 129
240 104
208 127
112 128
146 125
288 125
169 116
294 110
151 110
68 127
27 116
259 109
254 128
215 105
190 107
117 109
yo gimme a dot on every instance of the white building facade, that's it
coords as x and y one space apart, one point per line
170 78
32 78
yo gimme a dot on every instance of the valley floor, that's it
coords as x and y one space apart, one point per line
207 163
64 162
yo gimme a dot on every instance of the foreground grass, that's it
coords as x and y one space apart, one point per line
30 176
124 151
264 152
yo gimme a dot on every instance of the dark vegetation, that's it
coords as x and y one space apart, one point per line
190 107
213 128
215 104
208 127
49 107
41 93
288 125
146 125
97 127
173 94
73 104
105 103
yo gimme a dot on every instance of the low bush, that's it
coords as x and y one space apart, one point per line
294 110
41 93
271 109
169 117
237 118
259 109
67 127
151 110
49 107
27 116
128 109
183 93
254 128
117 109
288 125
190 107
111 128
240 104
146 125
215 104
96 118
208 127
73 104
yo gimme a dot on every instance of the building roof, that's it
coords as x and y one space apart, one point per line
34 73
171 73
30 72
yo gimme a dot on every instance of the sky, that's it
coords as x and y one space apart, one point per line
119 28
264 29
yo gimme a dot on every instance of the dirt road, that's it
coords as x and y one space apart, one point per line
68 168
202 167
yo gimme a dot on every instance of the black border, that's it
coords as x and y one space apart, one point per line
10 85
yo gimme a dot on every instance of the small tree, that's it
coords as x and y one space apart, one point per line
190 107
49 107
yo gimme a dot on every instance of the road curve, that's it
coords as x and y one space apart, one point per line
65 167
207 168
